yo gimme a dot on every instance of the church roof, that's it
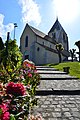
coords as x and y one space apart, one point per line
37 32
41 34
57 26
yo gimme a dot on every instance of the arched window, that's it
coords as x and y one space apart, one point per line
54 35
38 49
26 41
63 36
43 43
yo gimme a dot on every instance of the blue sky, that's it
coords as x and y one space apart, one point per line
40 14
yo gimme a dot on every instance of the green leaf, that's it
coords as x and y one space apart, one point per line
0 111
12 117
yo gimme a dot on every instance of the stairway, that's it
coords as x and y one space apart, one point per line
57 95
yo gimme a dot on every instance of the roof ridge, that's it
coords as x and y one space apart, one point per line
36 31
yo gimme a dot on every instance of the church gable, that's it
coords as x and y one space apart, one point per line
56 28
58 34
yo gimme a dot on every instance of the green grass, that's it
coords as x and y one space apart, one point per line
74 67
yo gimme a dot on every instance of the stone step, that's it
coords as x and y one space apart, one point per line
59 85
56 87
47 69
58 96
56 77
50 72
42 67
57 92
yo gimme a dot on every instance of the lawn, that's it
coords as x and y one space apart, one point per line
74 67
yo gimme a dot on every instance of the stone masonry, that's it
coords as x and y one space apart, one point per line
58 95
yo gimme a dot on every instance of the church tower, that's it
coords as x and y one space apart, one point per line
58 34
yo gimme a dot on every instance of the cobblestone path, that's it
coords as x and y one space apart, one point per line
58 95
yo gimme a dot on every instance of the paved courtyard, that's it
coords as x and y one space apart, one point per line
58 99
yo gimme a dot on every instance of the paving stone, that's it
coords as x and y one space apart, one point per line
56 76
55 102
76 114
70 101
45 68
47 102
44 106
57 107
56 114
59 85
65 109
74 109
70 105
67 114
50 72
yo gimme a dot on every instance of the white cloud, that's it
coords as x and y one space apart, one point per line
67 10
30 11
5 28
1 24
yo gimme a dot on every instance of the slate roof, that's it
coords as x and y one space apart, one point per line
57 26
37 32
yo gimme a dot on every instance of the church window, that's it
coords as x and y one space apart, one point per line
54 35
50 46
43 43
38 49
26 41
63 36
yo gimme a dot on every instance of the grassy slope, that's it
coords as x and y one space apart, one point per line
74 67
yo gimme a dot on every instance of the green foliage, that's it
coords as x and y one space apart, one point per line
0 111
19 87
59 48
78 45
1 44
18 82
12 117
72 52
74 67
11 57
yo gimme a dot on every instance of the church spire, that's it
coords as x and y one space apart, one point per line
57 18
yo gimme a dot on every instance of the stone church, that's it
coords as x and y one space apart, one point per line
40 47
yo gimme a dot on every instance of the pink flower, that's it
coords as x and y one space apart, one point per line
5 114
29 75
22 77
16 89
3 107
35 71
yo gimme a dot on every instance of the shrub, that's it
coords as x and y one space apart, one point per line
17 94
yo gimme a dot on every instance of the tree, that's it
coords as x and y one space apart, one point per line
1 48
72 51
59 48
78 45
1 44
13 59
